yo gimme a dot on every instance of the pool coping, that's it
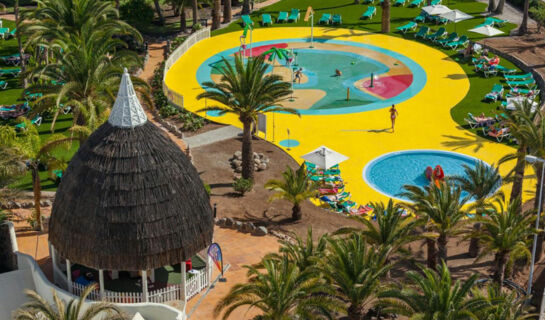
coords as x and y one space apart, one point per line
393 153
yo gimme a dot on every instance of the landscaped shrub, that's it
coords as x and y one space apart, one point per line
191 121
137 12
196 27
242 185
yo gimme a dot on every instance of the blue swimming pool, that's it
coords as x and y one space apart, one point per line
390 172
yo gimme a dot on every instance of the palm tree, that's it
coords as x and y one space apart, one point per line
355 270
216 14
502 305
159 13
507 234
491 5
385 16
282 291
195 10
391 230
441 209
245 6
296 187
432 295
482 183
246 90
12 167
227 11
39 308
523 28
499 7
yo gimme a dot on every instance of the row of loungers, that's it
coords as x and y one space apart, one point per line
328 19
266 19
13 111
399 3
440 37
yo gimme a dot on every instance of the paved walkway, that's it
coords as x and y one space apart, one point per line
511 14
212 136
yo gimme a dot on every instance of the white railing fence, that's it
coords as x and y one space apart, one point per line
176 98
194 285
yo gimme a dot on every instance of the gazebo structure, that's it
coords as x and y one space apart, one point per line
130 199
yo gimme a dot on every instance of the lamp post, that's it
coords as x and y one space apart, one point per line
533 159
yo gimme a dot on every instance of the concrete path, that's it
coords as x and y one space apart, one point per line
213 136
510 14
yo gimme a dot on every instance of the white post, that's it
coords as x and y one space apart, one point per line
145 285
209 269
54 262
101 283
115 274
251 45
542 307
183 289
152 275
312 30
531 277
69 275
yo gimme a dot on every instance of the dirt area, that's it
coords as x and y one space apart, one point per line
209 126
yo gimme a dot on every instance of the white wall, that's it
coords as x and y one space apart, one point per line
12 287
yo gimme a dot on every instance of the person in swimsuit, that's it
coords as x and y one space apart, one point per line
298 75
393 115
338 73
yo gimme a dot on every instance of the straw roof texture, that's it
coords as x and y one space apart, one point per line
130 199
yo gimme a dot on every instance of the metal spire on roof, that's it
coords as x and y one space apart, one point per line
127 111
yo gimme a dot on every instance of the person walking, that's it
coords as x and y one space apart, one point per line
298 75
393 115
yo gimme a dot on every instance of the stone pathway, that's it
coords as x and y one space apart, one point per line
511 14
213 136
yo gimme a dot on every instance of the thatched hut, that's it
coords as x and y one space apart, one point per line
130 199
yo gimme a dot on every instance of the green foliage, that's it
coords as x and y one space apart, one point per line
168 110
191 121
537 12
242 185
196 27
207 188
136 12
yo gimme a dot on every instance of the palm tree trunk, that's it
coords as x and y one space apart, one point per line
55 116
216 14
227 11
159 13
296 212
385 16
516 190
432 253
246 7
117 4
491 5
195 13
247 151
499 271
539 246
442 247
499 8
183 20
20 42
524 24
37 189
355 312
474 246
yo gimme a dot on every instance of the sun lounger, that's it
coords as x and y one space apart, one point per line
410 26
369 13
441 32
526 83
282 17
529 93
3 32
325 19
337 19
462 42
422 32
32 96
421 17
266 19
437 20
361 210
415 3
368 1
514 77
294 15
10 34
495 94
246 20
3 84
10 72
495 21
399 3
498 134
504 70
450 38
480 121
436 2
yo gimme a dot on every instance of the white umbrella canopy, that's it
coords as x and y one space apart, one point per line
324 158
487 30
455 15
437 9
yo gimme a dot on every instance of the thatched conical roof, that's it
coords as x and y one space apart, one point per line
130 199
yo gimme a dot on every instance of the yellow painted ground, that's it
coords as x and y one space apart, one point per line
424 121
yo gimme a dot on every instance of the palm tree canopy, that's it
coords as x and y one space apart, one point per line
502 305
481 181
296 186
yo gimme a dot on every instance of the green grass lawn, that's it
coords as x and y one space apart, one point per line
351 13
13 92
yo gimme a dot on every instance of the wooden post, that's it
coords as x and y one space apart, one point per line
101 283
183 290
69 275
145 285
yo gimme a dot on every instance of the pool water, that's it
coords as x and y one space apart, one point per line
390 172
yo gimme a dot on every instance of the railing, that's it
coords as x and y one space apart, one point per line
176 98
197 283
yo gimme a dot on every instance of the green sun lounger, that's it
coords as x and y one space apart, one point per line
505 70
3 84
422 32
294 15
421 17
526 83
368 1
462 42
495 94
411 26
337 19
399 3
514 77
282 17
37 121
266 19
436 2
495 21
3 32
369 13
10 72
441 32
10 34
415 3
325 19
246 20
451 37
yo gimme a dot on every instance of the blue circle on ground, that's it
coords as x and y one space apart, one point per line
388 173
213 113
289 143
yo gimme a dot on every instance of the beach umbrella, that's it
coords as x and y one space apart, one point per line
437 9
324 157
455 16
487 31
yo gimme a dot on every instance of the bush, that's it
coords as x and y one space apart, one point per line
207 188
167 111
136 12
196 27
242 185
538 14
191 121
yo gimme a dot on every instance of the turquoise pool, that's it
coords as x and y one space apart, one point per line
390 172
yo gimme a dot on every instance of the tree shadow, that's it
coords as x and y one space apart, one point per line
468 140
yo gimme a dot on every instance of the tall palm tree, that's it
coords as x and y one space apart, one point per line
499 7
159 12
281 291
295 187
491 5
246 90
523 28
391 230
507 234
39 308
12 167
385 16
502 305
355 270
216 14
195 11
227 11
245 6
482 182
431 295
441 209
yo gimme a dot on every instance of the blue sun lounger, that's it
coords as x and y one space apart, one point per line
421 17
282 17
369 13
462 42
246 20
10 72
441 32
526 83
422 32
415 3
266 19
411 26
399 3
337 19
10 34
495 94
451 37
325 19
436 2
515 77
3 84
505 70
294 15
